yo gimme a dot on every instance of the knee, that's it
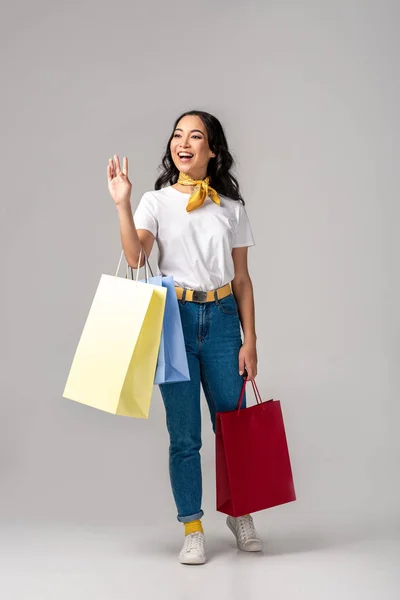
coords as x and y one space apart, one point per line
184 444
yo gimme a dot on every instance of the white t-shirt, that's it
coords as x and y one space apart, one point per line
194 247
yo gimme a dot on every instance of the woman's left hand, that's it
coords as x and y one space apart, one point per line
248 360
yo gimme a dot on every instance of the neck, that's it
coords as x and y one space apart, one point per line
195 176
188 189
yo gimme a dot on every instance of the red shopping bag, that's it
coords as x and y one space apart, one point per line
253 470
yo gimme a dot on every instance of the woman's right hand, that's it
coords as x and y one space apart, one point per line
119 185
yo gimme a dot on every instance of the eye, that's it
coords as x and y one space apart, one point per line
197 136
176 135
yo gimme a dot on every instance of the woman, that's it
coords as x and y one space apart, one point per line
197 216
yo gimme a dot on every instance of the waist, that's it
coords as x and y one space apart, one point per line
202 297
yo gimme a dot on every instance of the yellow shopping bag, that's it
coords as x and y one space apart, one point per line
115 362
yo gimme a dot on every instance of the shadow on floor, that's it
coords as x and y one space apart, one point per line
274 545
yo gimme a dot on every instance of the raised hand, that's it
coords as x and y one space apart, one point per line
119 185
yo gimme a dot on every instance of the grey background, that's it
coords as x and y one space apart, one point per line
308 93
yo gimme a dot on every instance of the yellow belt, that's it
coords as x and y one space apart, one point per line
199 296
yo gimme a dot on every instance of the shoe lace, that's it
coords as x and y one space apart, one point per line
246 527
194 541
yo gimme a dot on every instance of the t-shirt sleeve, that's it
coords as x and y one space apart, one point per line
243 235
145 215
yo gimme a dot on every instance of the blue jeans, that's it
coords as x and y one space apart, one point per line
213 340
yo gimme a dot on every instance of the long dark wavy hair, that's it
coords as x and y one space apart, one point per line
219 168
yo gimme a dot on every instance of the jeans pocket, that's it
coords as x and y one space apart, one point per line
228 305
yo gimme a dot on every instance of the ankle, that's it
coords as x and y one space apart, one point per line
193 527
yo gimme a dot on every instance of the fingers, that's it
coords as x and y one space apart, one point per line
251 373
111 169
241 365
249 370
247 364
114 168
117 165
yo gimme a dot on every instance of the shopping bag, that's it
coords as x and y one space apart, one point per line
172 364
253 470
115 362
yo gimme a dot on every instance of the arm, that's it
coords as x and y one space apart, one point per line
120 189
242 288
133 239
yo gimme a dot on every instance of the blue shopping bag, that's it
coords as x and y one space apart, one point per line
172 364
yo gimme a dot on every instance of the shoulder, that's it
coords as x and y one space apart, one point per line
157 194
235 207
155 197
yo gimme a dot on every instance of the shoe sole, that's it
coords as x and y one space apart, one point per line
193 561
251 545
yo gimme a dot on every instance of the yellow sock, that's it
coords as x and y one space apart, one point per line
193 526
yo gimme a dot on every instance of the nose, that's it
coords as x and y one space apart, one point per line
185 141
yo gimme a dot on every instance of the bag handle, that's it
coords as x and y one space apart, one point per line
256 393
147 266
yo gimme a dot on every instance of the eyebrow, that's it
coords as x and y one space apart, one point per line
192 131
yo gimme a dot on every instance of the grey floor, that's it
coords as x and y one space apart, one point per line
40 561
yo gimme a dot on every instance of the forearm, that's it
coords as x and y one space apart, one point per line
243 292
129 237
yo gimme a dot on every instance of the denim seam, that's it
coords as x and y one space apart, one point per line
227 312
193 517
206 321
205 384
200 329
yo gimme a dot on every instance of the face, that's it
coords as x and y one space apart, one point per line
190 137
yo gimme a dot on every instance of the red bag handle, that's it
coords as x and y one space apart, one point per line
256 393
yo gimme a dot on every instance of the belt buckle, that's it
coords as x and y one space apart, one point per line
199 296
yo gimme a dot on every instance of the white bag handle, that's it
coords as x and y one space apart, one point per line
146 266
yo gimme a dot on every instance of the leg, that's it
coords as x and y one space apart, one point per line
219 357
183 417
182 406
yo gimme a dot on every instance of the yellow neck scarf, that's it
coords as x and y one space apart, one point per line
201 191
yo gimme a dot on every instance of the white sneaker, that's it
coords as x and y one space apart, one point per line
193 552
244 531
